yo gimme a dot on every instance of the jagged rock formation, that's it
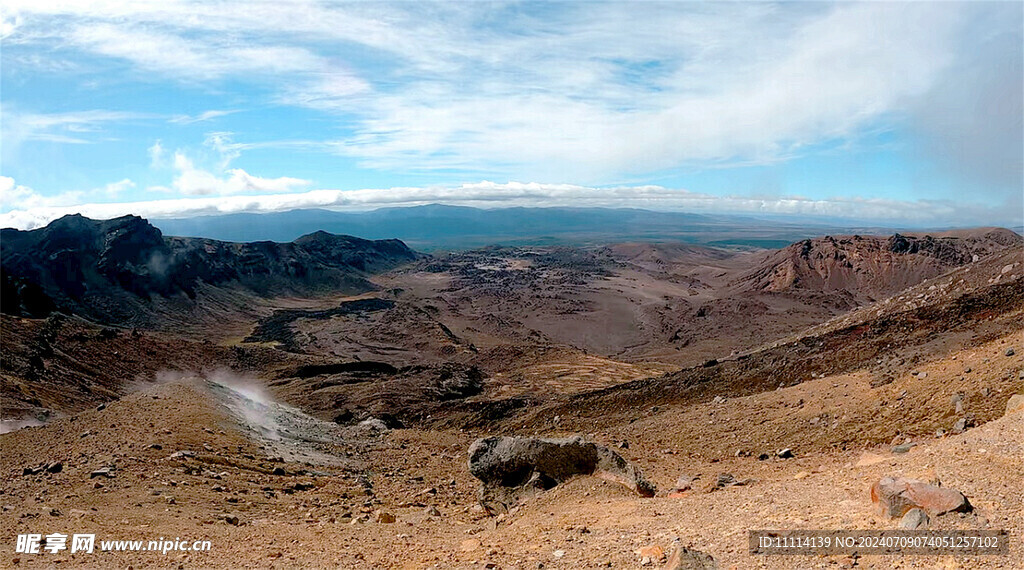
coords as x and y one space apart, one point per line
513 468
115 270
870 267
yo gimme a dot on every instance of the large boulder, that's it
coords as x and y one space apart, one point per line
513 468
897 496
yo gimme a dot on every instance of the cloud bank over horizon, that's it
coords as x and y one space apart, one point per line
488 194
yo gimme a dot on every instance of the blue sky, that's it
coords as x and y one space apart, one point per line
905 114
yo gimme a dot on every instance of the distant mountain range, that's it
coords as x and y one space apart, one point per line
436 226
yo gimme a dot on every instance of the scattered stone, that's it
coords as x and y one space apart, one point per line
1015 404
385 517
683 484
962 425
881 381
155 446
101 407
915 519
512 468
896 496
181 454
623 444
764 457
433 512
940 432
558 553
102 472
786 453
902 448
802 475
298 487
374 425
719 400
279 471
922 375
231 520
684 558
725 480
1009 352
32 470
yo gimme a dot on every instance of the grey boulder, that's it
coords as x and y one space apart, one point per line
514 468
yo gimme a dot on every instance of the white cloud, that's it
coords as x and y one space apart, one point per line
200 118
228 150
20 198
186 58
490 195
193 181
114 189
12 194
156 154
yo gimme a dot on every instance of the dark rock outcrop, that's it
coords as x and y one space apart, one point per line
513 468
119 270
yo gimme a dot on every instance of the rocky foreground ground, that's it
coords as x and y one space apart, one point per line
187 458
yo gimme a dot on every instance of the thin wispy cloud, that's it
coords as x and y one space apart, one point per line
77 127
200 118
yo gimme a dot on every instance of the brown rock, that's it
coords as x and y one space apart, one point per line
385 517
895 497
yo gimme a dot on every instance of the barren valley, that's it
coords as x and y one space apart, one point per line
316 403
